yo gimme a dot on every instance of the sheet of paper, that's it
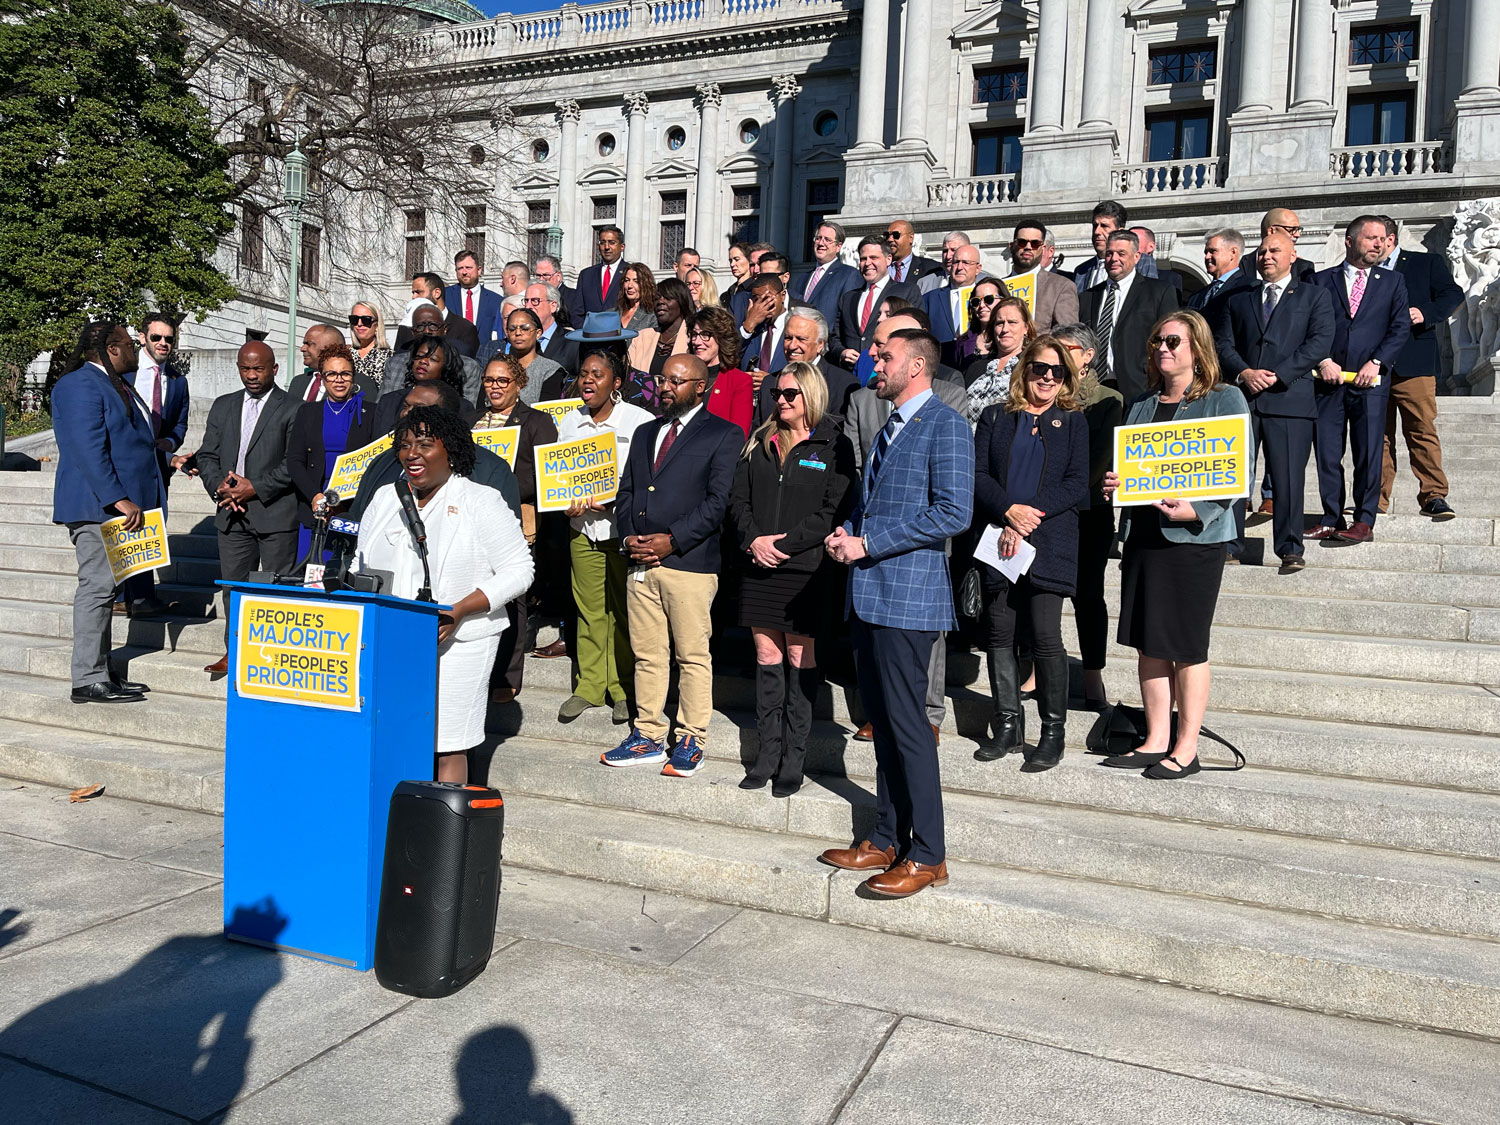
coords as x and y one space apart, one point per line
988 551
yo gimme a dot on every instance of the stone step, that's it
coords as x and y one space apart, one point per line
178 673
180 719
55 537
1394 585
1404 527
1331 965
58 589
184 570
52 620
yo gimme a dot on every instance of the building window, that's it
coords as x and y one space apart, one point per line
676 137
540 151
1389 43
822 197
1005 84
313 147
606 144
311 266
538 219
1379 119
1178 136
606 210
476 219
997 152
1172 65
416 242
826 124
252 237
749 131
744 213
673 226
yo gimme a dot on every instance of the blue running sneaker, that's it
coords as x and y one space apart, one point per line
687 756
636 750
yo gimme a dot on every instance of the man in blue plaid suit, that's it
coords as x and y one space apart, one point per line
917 492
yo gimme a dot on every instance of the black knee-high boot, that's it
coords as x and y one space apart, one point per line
801 692
1010 720
770 704
1052 708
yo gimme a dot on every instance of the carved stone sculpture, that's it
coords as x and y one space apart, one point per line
1474 256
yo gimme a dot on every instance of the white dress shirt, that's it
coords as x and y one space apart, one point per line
661 434
463 296
1120 294
624 420
778 327
148 374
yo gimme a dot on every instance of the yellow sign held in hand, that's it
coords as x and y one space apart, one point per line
500 441
1202 459
350 467
1024 287
569 471
558 408
135 552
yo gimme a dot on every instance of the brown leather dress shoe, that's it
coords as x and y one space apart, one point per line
863 857
553 651
865 733
906 879
1320 531
219 667
1359 532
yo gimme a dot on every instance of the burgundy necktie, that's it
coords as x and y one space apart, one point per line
765 347
864 313
155 397
898 269
314 385
666 444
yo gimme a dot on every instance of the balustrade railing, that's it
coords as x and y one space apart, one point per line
975 191
1164 176
1353 162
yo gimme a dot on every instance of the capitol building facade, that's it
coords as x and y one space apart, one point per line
698 122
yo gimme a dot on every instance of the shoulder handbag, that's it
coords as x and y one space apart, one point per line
1120 729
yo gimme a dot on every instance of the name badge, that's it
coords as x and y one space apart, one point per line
813 465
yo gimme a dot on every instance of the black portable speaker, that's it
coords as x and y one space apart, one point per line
440 887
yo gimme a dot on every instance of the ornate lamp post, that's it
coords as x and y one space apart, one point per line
554 244
295 193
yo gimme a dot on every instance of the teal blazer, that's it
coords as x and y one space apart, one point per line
1215 522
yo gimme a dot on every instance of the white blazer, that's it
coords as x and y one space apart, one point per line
474 542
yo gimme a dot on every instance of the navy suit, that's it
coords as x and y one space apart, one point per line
846 330
486 309
174 413
1298 335
838 278
586 297
1210 301
1379 331
939 307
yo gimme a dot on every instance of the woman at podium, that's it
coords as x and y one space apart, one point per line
476 556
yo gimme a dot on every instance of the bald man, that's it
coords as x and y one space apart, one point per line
1283 220
907 267
308 386
242 464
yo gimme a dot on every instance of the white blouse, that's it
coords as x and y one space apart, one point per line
624 420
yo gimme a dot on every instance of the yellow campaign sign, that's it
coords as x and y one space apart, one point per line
559 408
135 552
1024 287
568 471
350 467
298 651
1202 459
500 441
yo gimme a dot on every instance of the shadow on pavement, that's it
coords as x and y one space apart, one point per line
171 1030
495 1072
10 929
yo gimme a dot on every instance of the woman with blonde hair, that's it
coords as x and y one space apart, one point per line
794 485
1031 476
369 348
704 289
1172 555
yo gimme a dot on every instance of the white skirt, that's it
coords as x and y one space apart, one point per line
464 692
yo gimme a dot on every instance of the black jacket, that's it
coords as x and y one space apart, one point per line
688 496
490 470
806 496
1063 490
305 453
537 428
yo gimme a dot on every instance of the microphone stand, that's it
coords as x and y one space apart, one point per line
418 533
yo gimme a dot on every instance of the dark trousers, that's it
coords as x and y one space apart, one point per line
1096 534
1288 444
243 549
892 669
1362 412
1042 609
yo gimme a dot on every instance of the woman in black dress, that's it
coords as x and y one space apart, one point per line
1172 558
1031 475
794 486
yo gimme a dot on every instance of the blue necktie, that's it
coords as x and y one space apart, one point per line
883 443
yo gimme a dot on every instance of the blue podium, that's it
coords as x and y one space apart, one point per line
332 702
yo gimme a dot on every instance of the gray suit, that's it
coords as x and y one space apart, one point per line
1056 302
867 416
265 534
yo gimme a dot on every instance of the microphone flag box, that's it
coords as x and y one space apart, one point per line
500 441
351 466
1197 459
569 471
136 552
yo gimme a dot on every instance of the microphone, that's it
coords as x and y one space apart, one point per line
330 500
418 533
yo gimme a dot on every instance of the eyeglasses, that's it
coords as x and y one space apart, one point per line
663 381
1075 347
700 334
360 321
497 381
1282 226
427 328
536 302
155 339
1029 243
1047 372
520 326
338 376
787 394
1172 342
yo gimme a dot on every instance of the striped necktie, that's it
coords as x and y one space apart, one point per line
883 443
1105 326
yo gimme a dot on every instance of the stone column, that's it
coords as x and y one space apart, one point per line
568 114
1257 32
1482 48
636 107
785 96
1476 122
869 127
1049 71
1101 54
1312 78
916 47
707 237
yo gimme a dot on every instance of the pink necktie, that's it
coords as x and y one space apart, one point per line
156 395
1357 292
812 282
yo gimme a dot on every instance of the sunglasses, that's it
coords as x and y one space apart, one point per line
1172 342
360 321
1029 243
155 339
893 235
986 301
1047 372
787 394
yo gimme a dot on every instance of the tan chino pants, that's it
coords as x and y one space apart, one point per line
669 622
1414 401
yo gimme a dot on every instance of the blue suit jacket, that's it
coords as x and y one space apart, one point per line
923 496
1431 289
174 414
752 358
585 296
689 497
106 451
1381 329
939 305
1298 337
837 279
485 312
